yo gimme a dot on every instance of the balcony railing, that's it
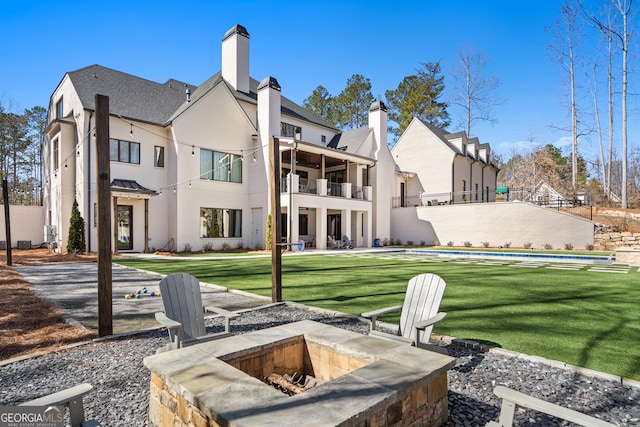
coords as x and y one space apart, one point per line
321 187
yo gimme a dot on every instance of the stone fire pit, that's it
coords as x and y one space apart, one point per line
363 380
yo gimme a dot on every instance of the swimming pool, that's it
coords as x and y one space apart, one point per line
587 259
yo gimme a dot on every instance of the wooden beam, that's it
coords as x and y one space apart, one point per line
276 219
105 309
7 220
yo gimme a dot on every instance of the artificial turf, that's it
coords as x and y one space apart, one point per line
584 318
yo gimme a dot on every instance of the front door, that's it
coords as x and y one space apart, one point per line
124 222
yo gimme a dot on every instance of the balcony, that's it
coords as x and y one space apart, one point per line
321 187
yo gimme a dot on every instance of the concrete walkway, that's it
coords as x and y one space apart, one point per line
74 288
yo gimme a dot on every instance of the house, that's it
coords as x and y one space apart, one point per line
190 164
435 167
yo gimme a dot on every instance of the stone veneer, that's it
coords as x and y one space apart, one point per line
371 382
611 241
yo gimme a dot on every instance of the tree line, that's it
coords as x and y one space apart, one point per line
20 155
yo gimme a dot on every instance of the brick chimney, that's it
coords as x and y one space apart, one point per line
235 58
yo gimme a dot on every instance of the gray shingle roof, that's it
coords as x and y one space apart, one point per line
129 96
350 141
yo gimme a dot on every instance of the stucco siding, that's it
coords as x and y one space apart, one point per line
496 223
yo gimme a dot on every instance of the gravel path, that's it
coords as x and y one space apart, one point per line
121 383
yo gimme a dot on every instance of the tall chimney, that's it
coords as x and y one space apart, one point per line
378 122
235 58
269 112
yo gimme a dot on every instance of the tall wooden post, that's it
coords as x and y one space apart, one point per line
7 220
105 312
276 218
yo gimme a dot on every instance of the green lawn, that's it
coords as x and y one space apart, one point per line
580 317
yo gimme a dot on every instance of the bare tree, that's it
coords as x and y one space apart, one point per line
567 34
473 89
622 36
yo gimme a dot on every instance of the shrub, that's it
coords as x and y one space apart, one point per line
507 245
187 247
257 247
240 245
548 246
385 242
527 245
485 244
588 247
467 244
398 242
568 247
409 242
76 242
450 243
207 247
423 243
268 239
226 246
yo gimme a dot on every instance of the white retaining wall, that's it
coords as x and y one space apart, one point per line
497 223
27 223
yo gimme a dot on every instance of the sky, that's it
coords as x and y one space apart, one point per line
302 44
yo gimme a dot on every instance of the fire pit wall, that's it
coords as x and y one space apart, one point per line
365 381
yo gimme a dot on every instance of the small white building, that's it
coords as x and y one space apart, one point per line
190 164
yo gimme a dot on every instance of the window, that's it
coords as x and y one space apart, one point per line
216 222
59 109
476 192
290 131
158 156
56 154
303 224
323 139
124 151
220 166
464 185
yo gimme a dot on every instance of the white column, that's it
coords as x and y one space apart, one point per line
321 228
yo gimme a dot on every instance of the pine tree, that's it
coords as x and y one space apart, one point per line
76 242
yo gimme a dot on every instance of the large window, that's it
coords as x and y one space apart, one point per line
220 166
216 222
56 154
290 131
158 156
124 151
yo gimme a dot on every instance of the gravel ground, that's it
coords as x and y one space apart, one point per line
121 383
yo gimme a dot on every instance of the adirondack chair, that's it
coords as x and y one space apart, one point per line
71 398
184 313
418 313
512 399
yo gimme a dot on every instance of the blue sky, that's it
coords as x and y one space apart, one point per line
302 44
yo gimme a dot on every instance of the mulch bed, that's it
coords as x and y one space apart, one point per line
28 323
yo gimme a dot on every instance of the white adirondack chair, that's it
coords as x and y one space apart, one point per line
71 398
184 312
418 313
512 399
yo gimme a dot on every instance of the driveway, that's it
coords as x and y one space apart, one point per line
74 288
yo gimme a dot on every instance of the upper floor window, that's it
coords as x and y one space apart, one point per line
290 131
124 151
158 156
220 166
59 109
323 139
56 154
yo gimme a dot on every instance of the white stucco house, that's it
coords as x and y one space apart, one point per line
435 167
190 164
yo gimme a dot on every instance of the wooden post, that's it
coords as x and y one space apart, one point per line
276 218
7 220
105 311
